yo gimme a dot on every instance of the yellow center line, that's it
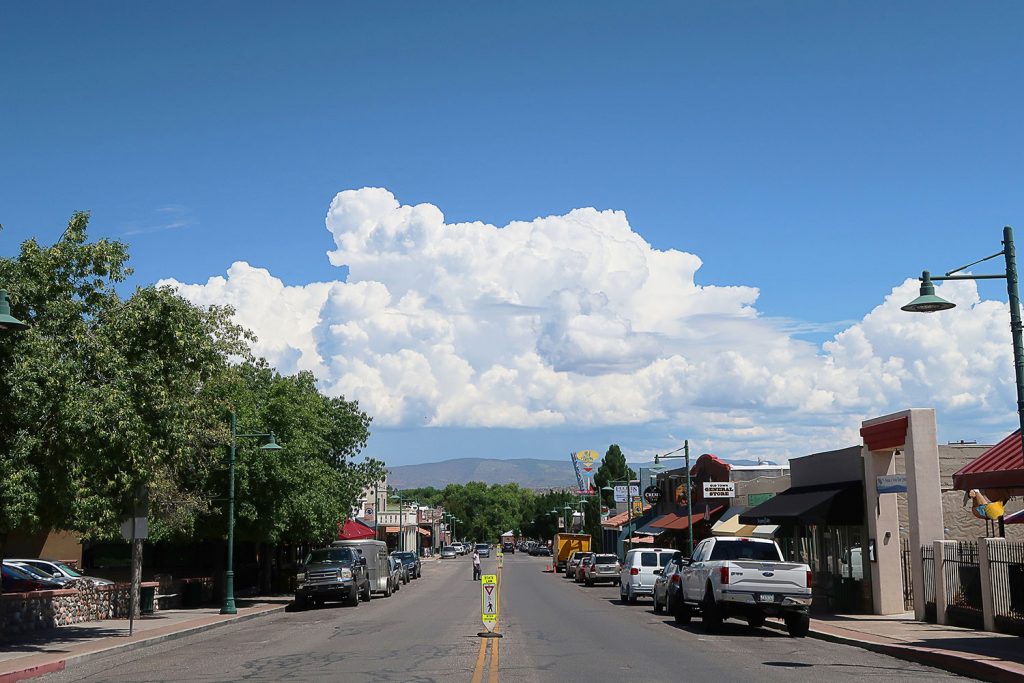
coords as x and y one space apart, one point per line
478 672
493 678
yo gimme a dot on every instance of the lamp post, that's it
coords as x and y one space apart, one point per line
229 575
927 302
8 323
689 501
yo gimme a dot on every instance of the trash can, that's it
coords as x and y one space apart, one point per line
191 593
147 596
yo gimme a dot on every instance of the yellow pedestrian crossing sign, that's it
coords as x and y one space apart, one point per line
489 601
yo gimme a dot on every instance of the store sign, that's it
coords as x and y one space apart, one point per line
638 507
620 492
652 495
588 458
891 483
758 498
719 489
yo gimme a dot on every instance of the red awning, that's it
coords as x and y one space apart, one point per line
678 522
1000 467
353 531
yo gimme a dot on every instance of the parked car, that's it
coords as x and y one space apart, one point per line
396 571
449 552
58 570
582 568
573 563
602 567
541 551
668 586
39 574
412 563
335 574
637 575
459 547
745 577
483 549
17 580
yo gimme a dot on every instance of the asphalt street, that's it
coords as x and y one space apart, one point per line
553 630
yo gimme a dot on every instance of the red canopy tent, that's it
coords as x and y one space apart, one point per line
354 531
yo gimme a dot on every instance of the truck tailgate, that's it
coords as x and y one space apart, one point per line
768 577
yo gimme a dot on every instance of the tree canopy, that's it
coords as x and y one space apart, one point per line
105 394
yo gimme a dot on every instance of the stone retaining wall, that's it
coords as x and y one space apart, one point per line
80 601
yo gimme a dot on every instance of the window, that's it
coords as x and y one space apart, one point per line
745 550
648 559
664 558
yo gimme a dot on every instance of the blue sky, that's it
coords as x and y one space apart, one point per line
819 152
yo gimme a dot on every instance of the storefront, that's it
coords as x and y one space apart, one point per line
821 521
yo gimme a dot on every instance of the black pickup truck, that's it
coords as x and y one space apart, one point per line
336 574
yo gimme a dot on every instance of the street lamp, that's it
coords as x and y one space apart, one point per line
927 302
689 497
229 576
8 323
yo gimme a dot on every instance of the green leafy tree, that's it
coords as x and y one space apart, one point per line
613 468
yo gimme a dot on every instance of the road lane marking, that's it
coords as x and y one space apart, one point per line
493 678
478 672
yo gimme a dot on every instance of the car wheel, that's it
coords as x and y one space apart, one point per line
301 602
622 594
630 595
710 615
387 590
797 625
353 598
590 582
682 614
657 605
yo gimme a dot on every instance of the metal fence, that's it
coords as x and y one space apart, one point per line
908 579
1006 561
963 586
928 567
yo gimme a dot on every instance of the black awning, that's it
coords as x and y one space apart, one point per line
836 504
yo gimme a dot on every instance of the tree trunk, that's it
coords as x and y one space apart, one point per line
136 577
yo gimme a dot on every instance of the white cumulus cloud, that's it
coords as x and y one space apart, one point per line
575 320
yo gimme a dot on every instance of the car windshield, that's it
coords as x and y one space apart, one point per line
330 556
34 571
605 559
68 570
745 550
406 556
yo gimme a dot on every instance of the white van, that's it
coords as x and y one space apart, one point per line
637 575
376 555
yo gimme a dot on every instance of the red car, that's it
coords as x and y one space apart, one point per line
18 581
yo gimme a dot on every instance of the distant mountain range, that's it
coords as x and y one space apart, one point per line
531 473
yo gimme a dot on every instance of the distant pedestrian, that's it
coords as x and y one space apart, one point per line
476 566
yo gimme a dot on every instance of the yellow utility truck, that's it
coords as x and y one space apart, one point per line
566 544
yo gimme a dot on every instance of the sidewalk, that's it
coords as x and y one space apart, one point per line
49 651
979 654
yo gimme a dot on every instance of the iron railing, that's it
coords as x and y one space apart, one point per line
928 567
908 579
1006 561
963 585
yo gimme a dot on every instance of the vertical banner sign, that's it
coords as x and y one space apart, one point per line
588 458
489 601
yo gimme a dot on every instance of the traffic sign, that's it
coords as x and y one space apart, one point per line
489 601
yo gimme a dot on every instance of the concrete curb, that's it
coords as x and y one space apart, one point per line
62 663
959 663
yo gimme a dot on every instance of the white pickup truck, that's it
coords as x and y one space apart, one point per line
744 577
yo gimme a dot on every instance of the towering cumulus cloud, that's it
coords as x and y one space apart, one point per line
577 320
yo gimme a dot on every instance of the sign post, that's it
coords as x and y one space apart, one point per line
489 605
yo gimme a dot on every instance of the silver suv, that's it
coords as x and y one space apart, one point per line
637 575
